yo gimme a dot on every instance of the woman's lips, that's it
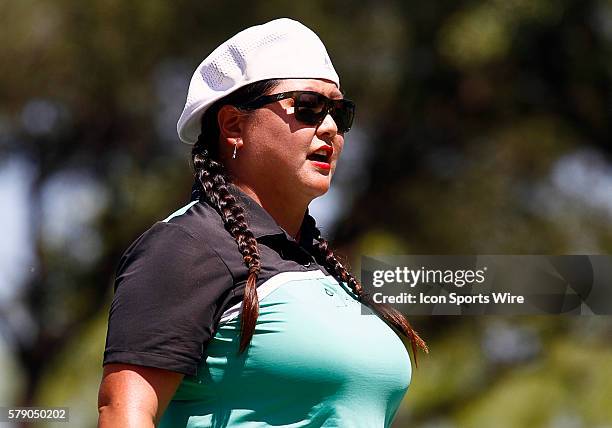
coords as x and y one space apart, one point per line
322 157
322 165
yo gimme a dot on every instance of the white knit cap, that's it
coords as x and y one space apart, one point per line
279 49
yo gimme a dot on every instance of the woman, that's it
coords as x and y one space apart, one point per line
234 312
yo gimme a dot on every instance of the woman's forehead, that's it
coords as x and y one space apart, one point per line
325 87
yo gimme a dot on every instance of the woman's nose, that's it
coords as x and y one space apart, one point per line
327 127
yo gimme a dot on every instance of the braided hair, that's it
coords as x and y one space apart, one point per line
212 183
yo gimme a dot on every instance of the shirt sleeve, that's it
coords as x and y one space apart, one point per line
168 288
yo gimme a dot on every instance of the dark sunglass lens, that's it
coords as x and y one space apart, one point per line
314 101
309 108
343 113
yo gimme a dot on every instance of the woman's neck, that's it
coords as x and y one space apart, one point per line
286 211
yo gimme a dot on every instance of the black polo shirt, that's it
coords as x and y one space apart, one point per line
177 279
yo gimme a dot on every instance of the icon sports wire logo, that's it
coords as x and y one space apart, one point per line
414 277
504 284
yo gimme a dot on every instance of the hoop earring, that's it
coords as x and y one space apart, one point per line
234 154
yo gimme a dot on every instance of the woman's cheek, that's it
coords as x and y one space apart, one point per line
338 148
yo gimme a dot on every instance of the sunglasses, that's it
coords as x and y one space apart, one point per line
311 108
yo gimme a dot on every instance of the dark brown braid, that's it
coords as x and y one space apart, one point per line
212 182
210 174
326 257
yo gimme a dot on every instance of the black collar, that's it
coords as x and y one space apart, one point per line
259 220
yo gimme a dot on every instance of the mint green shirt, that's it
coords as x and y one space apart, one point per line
314 361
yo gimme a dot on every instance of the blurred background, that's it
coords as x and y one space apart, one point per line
483 127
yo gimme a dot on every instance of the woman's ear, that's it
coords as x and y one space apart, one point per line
231 124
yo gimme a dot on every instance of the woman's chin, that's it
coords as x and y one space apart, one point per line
319 187
313 183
